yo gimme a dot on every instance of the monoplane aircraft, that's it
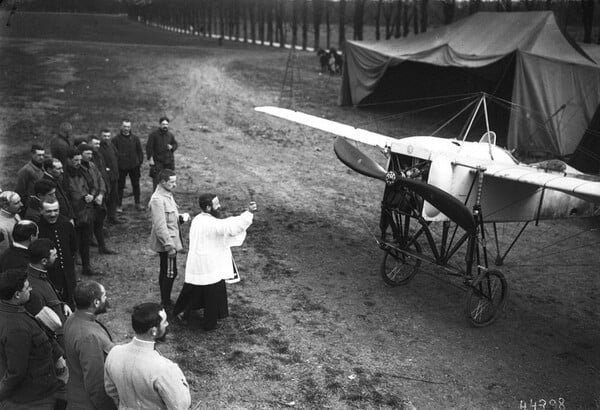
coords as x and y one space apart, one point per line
460 184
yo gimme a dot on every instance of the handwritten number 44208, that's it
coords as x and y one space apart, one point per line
542 404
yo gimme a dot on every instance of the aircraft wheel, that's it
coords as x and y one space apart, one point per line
398 268
486 299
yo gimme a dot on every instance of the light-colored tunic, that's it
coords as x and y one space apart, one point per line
137 377
209 259
165 221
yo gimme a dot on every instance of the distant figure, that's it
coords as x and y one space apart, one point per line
209 260
111 160
160 148
323 61
136 376
60 144
30 173
130 158
335 61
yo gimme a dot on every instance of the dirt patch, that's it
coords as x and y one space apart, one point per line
312 325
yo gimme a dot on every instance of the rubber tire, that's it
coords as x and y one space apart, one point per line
412 265
479 315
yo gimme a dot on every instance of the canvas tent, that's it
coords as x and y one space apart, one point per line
522 57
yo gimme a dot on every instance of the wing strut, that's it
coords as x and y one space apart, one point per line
500 259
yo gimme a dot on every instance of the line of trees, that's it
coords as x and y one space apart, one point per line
70 6
316 23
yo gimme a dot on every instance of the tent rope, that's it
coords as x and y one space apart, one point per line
415 111
411 100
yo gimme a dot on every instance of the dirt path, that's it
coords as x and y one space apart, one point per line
312 325
412 341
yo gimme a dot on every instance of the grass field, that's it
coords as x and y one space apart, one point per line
312 325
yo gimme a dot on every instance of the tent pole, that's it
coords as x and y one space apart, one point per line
487 126
472 120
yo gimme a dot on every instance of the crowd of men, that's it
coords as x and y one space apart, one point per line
54 352
81 181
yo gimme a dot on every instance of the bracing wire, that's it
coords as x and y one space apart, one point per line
412 100
445 124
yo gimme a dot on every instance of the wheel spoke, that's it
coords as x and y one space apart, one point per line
478 311
398 268
486 300
394 273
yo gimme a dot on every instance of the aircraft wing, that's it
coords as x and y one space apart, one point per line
582 186
336 128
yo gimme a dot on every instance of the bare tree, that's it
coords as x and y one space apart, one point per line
503 5
279 17
377 20
252 21
294 23
529 4
359 12
328 23
388 9
244 14
222 20
448 8
318 6
415 14
236 13
342 23
424 15
304 24
270 22
209 18
587 9
405 18
198 17
474 6
262 19
398 16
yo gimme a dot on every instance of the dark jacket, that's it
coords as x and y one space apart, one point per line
62 274
77 184
111 159
14 258
101 166
59 147
34 209
27 357
43 294
66 209
26 178
129 149
98 183
87 343
156 147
